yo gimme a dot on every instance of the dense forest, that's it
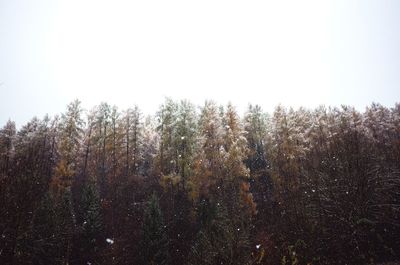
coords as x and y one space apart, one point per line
202 185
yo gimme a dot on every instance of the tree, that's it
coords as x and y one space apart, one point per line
167 157
133 126
208 162
91 237
66 172
236 175
7 138
71 130
154 239
65 224
184 139
45 241
325 184
256 126
23 186
219 240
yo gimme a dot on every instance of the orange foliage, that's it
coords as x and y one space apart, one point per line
247 197
62 178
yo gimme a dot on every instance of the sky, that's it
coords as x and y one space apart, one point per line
295 53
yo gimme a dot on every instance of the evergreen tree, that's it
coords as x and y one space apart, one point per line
65 226
154 247
7 138
185 140
167 157
22 188
256 133
45 242
91 232
219 240
326 183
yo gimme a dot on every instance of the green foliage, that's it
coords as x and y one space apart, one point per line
154 245
44 238
65 225
52 230
297 187
219 240
91 236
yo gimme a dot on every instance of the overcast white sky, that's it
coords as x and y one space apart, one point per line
265 52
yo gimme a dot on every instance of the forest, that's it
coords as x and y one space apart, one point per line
202 185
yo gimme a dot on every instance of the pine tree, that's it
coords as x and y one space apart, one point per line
236 186
21 191
45 241
224 177
7 138
102 132
256 133
66 172
167 157
71 130
236 175
154 246
219 240
65 225
209 161
91 235
255 126
185 140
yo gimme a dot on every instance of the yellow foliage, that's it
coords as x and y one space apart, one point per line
247 197
261 256
170 181
62 178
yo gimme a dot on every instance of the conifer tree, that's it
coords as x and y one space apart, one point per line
326 183
102 138
256 133
219 240
91 235
65 226
7 138
208 164
236 174
185 140
66 171
154 246
167 157
45 243
71 129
